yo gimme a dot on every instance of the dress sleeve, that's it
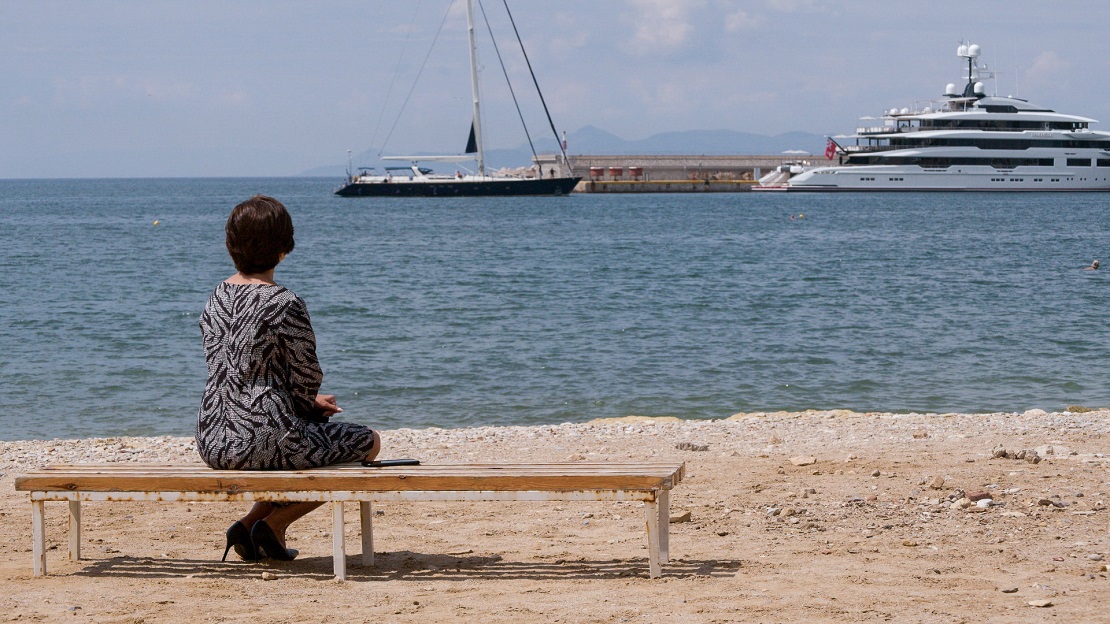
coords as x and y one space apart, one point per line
299 344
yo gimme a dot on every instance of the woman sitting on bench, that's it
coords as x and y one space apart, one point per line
261 408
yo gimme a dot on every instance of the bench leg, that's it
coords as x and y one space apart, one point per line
38 537
75 530
365 514
651 509
664 498
338 554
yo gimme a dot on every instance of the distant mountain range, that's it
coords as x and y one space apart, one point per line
591 140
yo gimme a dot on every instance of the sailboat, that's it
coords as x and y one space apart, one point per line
415 180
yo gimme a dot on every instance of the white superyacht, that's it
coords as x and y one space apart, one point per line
968 141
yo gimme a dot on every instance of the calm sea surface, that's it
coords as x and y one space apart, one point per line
456 312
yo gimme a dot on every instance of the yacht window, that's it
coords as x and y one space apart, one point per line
939 163
1015 143
1079 162
1010 125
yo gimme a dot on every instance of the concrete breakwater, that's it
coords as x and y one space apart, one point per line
668 173
663 186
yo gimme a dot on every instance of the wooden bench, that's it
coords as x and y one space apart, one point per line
75 483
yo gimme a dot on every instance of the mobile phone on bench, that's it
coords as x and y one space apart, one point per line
383 463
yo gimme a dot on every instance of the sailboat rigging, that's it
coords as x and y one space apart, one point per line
417 181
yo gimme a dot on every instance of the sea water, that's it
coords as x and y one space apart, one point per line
520 311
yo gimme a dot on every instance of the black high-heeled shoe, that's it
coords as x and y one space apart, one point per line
239 538
267 543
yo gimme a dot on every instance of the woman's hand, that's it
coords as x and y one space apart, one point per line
325 404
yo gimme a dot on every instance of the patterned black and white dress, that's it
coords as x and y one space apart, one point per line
263 376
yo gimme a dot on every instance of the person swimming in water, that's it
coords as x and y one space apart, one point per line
1093 267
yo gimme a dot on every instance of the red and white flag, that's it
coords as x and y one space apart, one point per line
830 149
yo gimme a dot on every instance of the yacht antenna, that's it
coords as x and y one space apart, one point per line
474 87
970 52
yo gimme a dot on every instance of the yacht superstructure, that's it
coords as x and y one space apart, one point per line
968 141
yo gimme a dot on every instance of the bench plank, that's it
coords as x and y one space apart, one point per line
444 477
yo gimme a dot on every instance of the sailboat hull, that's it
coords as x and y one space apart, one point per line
507 187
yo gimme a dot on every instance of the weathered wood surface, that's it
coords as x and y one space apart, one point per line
137 477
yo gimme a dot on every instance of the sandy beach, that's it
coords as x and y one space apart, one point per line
821 516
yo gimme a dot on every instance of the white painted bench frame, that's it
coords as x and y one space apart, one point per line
656 501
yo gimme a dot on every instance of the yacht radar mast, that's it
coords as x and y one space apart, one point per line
971 52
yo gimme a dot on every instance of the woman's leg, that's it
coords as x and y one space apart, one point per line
258 512
281 517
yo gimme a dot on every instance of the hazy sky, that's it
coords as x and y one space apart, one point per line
96 88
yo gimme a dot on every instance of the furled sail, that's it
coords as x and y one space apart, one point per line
471 143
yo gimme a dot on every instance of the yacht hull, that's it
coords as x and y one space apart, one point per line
920 189
974 179
508 187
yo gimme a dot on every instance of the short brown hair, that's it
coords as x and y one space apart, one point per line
258 231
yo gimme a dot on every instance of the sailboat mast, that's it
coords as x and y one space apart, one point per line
474 87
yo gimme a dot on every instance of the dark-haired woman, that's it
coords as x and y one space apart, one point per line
262 409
